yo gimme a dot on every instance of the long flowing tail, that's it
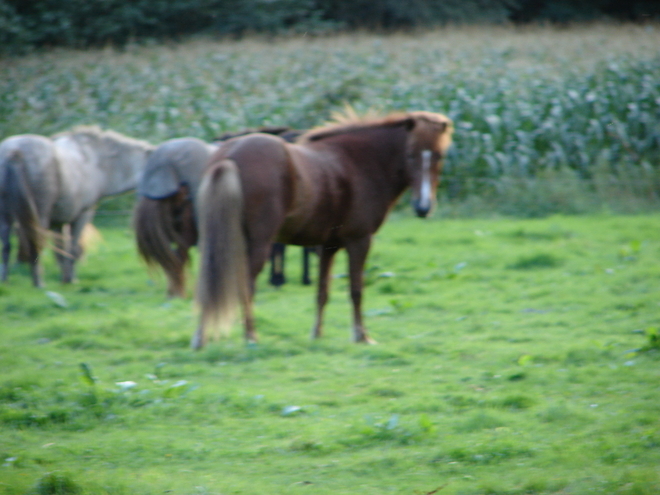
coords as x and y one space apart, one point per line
155 233
23 207
223 275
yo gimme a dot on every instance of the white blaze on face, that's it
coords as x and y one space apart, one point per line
425 186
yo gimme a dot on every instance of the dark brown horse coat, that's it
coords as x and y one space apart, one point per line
333 189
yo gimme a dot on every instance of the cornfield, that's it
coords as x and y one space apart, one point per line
578 107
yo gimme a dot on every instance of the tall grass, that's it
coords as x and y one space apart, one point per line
579 106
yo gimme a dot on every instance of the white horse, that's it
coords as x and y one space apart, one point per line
49 183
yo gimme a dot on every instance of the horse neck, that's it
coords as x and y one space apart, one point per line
123 166
381 159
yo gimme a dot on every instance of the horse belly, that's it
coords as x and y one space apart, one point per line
317 226
304 238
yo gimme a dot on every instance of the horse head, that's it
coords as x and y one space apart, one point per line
429 137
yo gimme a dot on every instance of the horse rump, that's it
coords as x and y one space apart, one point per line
223 276
22 207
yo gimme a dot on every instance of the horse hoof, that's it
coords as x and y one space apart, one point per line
316 333
196 343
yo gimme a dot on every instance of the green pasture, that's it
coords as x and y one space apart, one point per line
515 357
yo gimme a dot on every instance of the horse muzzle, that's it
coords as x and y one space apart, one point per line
421 210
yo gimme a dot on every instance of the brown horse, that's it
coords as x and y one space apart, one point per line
164 218
333 189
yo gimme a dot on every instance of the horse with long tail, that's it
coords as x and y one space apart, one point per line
164 218
333 188
55 183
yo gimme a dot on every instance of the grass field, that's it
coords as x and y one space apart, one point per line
514 357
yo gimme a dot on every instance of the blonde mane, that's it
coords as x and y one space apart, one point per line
342 123
348 120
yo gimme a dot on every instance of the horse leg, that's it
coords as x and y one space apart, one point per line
277 277
305 276
61 244
248 318
23 254
29 251
5 235
35 264
74 249
357 255
327 255
258 253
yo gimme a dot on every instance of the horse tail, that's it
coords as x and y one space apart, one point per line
22 205
223 276
155 232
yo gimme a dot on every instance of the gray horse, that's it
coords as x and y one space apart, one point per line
53 183
164 220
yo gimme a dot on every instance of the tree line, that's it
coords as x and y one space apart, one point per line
31 24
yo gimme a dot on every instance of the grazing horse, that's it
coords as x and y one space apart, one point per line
49 183
334 189
164 219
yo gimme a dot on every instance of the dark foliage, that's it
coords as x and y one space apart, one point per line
80 23
564 11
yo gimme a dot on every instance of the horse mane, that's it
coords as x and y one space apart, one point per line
348 120
96 133
348 123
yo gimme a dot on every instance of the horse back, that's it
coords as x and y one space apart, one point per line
36 158
174 163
